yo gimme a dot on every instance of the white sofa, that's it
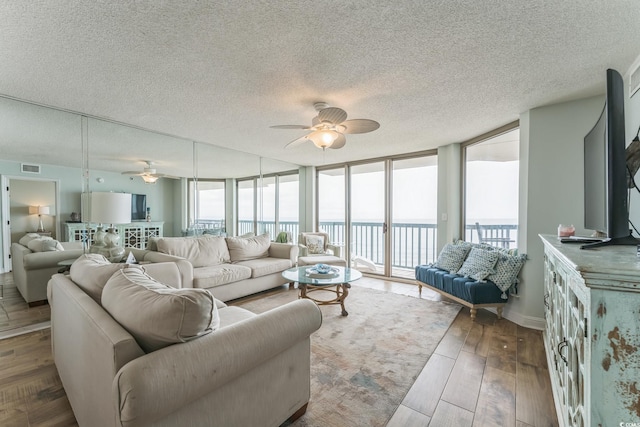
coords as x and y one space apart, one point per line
252 371
33 269
229 267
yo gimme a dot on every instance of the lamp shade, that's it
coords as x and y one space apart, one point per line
39 210
111 208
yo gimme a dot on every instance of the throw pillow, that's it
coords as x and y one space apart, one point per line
506 272
479 246
246 248
315 244
201 251
451 257
479 264
155 314
44 244
24 240
91 271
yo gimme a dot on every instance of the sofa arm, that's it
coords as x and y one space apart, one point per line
284 250
159 383
39 260
336 249
302 250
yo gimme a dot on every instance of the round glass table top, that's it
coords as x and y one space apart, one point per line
306 274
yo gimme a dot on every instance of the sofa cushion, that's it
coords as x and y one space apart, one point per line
91 271
201 251
479 264
44 244
216 275
155 314
452 257
242 248
265 266
24 240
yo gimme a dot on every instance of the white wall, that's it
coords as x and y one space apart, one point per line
552 139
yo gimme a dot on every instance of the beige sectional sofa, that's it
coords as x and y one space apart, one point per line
229 267
253 370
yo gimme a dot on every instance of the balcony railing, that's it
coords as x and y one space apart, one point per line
412 243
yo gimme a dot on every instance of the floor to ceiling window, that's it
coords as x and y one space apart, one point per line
207 204
289 204
491 190
383 212
414 214
332 213
246 197
269 204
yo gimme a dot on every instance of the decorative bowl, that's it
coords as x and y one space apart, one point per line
323 268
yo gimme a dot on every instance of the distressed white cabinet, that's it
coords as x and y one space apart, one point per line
134 235
592 333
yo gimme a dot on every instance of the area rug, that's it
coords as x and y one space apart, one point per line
362 365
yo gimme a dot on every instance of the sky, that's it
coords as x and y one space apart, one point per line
491 189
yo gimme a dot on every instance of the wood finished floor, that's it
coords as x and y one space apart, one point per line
488 373
15 314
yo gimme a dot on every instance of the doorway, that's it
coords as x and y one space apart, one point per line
21 199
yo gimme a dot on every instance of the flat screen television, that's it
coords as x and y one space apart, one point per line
605 171
138 207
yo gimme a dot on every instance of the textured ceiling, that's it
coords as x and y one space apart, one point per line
430 72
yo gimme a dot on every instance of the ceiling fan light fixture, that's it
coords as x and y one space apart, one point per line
323 138
149 179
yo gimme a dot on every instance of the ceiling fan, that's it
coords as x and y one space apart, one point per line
148 174
329 126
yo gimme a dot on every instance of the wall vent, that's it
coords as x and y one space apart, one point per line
26 168
634 80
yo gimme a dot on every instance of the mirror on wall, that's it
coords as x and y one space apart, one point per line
45 144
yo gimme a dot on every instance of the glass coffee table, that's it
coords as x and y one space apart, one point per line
337 282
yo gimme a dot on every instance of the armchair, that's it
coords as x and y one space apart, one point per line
315 248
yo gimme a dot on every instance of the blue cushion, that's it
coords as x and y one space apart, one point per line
462 287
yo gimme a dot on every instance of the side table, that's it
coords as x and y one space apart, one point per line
65 265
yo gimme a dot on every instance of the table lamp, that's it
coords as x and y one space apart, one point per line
39 210
109 208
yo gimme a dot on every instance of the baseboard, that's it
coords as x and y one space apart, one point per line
24 330
519 319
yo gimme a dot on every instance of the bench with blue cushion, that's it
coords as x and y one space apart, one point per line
464 290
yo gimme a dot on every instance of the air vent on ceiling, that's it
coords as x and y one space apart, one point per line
634 80
26 168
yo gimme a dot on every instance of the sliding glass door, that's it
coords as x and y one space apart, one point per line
332 211
414 214
368 215
383 212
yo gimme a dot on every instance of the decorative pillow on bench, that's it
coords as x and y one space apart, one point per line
452 257
479 264
506 271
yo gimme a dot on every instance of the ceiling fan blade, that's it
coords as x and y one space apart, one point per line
134 173
296 141
339 142
290 127
359 126
333 115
